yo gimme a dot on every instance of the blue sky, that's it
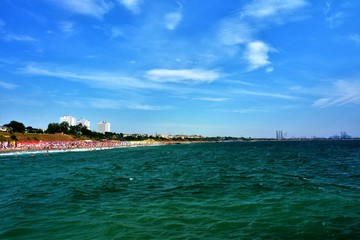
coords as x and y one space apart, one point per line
216 68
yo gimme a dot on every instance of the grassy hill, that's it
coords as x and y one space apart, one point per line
4 136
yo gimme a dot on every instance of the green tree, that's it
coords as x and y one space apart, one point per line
53 128
30 129
39 131
121 136
64 127
75 130
85 131
16 126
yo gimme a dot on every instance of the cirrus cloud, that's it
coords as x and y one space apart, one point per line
211 99
93 8
343 93
9 37
104 80
242 28
272 8
132 5
7 85
182 75
172 19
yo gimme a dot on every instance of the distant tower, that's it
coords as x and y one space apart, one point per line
84 122
344 135
279 134
69 119
103 127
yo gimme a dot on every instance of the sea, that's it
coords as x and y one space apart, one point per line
227 190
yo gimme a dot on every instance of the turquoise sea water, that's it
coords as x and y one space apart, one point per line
255 190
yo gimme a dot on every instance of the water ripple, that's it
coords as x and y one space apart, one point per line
260 190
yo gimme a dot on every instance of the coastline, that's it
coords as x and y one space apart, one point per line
45 148
12 148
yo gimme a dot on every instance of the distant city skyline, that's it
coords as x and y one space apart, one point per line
212 68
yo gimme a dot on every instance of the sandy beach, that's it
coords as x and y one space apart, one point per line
20 148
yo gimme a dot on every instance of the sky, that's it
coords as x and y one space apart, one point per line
242 68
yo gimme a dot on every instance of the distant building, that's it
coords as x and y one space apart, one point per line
103 127
84 122
69 119
4 129
344 135
279 134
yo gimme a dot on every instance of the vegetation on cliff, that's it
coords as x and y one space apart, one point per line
17 131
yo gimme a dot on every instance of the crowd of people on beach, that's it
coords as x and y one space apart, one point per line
10 146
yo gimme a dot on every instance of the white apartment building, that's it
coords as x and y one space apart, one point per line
69 119
84 122
103 127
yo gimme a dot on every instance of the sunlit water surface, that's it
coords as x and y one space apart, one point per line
255 190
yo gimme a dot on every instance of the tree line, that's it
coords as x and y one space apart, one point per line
64 127
82 131
77 131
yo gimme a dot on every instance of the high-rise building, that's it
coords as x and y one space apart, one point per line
279 134
103 127
69 119
84 122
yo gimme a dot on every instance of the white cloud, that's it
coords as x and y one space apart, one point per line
94 8
269 69
344 92
9 37
102 80
264 94
323 102
7 86
212 99
241 111
148 107
183 75
327 7
67 27
257 55
335 16
272 8
241 29
234 31
295 88
355 38
335 19
132 5
104 103
172 19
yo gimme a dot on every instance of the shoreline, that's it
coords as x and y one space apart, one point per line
73 146
46 147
